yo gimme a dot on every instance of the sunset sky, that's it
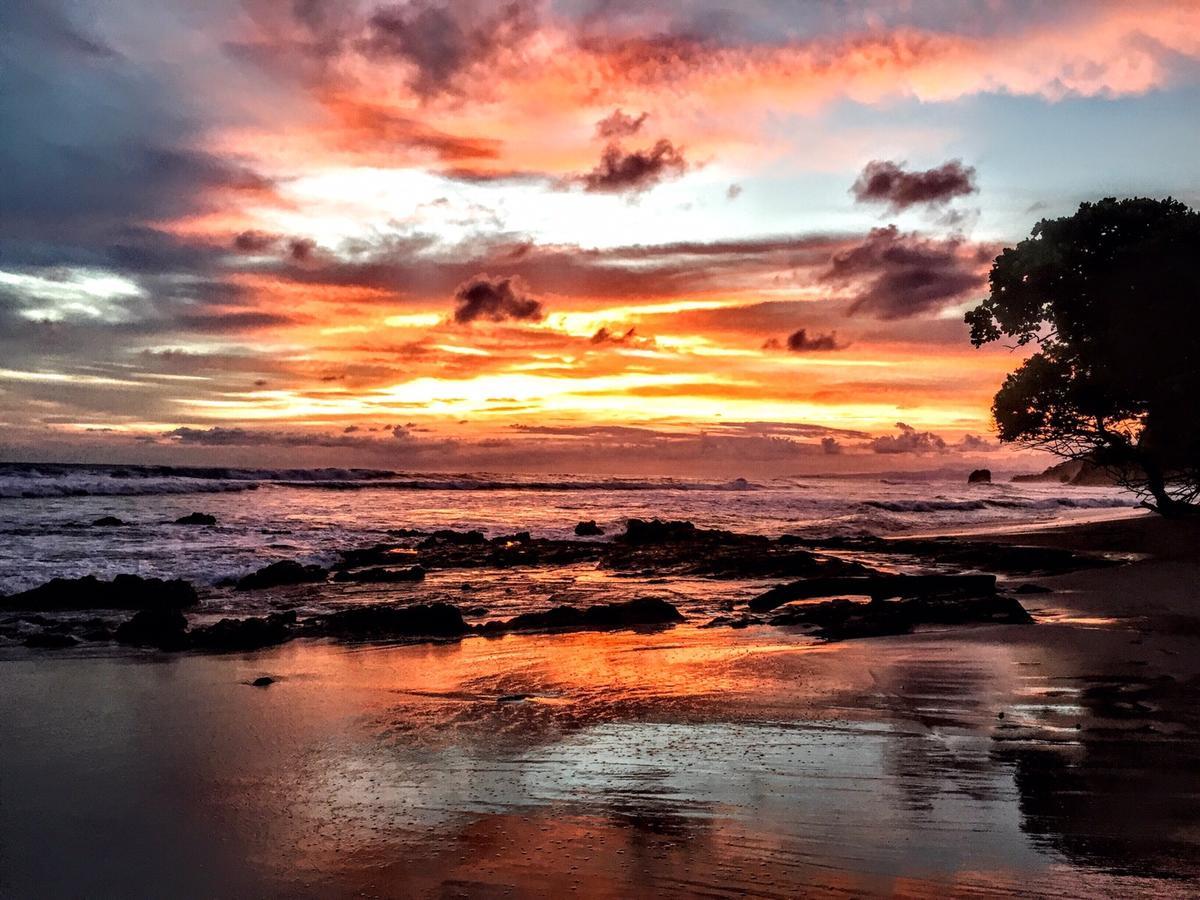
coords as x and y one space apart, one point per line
578 235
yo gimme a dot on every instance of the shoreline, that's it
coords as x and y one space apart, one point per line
1032 760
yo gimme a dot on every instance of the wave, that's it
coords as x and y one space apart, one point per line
28 480
1030 503
34 490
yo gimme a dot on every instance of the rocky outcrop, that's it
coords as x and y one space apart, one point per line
379 575
639 532
281 574
389 622
1071 471
108 522
843 619
196 519
89 592
588 529
165 629
633 613
980 476
50 640
877 587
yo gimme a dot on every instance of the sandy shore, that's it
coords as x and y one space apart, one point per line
1056 759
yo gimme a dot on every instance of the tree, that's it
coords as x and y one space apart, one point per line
1111 298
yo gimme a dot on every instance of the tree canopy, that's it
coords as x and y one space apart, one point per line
1111 297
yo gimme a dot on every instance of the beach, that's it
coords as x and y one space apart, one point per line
1057 758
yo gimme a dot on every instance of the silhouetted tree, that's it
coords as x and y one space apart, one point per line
1111 296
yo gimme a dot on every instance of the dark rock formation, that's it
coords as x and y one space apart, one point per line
196 519
1072 471
877 587
244 634
281 573
1007 559
262 681
980 476
108 522
742 621
639 532
521 537
588 529
89 592
633 613
842 618
450 536
380 575
50 640
384 622
165 629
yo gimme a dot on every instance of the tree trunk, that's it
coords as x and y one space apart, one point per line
1164 504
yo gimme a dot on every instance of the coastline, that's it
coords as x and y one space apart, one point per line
1015 759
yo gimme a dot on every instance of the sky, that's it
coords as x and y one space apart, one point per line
549 235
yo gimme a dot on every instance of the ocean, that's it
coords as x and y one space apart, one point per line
47 511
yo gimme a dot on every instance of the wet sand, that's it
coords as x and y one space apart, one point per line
1058 759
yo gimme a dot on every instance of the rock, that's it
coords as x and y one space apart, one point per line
382 622
521 537
281 573
632 613
742 621
588 529
639 532
380 575
162 628
196 519
107 522
1076 472
262 681
1033 589
842 618
875 586
48 640
458 538
244 634
89 592
980 476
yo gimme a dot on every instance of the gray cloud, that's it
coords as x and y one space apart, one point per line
883 181
900 275
909 440
619 124
633 171
495 299
442 40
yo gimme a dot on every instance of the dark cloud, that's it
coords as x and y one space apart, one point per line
900 275
884 181
633 171
254 241
623 338
619 124
443 40
799 341
909 440
972 443
495 299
